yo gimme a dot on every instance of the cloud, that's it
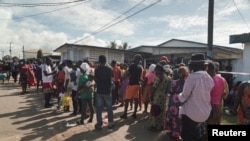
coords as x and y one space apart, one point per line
91 19
154 26
88 39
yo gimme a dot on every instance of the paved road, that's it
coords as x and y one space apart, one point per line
23 118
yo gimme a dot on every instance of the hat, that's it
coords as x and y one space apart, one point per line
152 67
167 68
84 66
198 58
181 64
165 58
162 62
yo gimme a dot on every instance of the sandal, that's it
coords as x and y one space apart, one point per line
79 122
176 138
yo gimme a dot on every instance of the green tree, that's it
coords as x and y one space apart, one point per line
113 45
124 46
39 54
7 58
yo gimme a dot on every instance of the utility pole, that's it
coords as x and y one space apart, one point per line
210 29
23 52
2 54
10 48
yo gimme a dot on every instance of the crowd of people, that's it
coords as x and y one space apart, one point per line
182 100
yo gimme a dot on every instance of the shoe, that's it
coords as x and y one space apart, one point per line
124 116
87 116
134 116
50 104
90 121
97 127
110 129
47 106
79 122
73 114
176 138
144 112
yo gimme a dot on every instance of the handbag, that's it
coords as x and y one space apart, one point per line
155 110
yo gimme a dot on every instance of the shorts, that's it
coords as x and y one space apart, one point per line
132 91
23 78
47 86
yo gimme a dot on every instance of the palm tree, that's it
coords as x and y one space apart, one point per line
39 54
124 45
113 44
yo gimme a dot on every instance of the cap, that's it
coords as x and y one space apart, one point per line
84 66
165 58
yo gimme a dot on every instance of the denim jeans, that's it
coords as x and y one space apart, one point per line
101 101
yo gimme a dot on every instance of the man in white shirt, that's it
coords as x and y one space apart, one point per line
67 69
47 78
195 99
75 74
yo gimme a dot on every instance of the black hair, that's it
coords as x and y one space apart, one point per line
69 62
196 67
113 62
102 59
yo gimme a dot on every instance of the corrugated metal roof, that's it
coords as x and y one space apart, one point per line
241 38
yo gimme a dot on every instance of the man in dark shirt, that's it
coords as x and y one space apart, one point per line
132 92
103 78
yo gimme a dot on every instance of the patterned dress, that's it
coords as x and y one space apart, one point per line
173 121
245 103
159 98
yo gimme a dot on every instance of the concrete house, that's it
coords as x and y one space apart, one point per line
78 52
242 65
176 50
180 51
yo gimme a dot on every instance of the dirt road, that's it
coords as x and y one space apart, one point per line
23 118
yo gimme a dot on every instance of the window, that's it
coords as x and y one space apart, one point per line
94 54
114 56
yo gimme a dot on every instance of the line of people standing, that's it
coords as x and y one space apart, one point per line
182 105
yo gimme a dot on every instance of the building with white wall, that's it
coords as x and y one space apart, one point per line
176 50
33 53
242 65
79 52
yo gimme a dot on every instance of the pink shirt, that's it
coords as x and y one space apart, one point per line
150 76
218 90
196 96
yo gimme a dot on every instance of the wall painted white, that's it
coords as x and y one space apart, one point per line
243 65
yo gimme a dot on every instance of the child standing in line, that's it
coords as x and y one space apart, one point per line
66 102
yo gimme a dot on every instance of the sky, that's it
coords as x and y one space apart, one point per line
46 24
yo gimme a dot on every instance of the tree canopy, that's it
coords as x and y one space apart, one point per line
39 54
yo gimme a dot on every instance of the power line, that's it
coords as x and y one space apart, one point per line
120 15
242 17
47 12
38 4
100 29
139 11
